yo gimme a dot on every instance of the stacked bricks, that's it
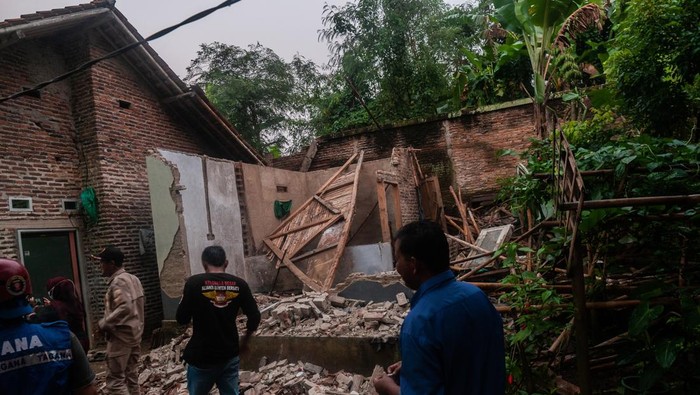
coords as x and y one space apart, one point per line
462 151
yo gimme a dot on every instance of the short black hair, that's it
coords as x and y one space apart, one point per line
112 254
425 241
214 256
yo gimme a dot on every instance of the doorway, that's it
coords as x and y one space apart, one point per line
47 254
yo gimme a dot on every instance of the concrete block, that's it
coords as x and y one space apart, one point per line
336 300
401 299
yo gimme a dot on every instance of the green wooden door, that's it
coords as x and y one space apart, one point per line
49 254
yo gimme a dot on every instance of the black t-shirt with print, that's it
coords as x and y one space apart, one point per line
212 301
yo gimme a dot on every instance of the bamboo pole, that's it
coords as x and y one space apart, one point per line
529 240
471 216
476 269
491 273
563 336
472 246
462 214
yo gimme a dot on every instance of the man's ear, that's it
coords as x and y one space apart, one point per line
415 265
225 264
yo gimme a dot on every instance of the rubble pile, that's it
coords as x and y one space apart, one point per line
310 314
161 372
283 377
313 314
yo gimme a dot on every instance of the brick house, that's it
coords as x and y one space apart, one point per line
91 130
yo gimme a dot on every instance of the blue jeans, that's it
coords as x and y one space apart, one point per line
225 376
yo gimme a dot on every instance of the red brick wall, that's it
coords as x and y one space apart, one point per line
123 138
475 142
37 138
460 151
77 135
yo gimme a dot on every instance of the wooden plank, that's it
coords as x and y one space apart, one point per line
292 267
319 192
313 252
300 228
312 235
462 213
346 230
637 201
383 212
326 204
471 215
440 206
464 243
416 164
338 185
338 194
312 211
453 223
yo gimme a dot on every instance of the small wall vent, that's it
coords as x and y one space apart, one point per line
69 205
281 188
20 204
124 104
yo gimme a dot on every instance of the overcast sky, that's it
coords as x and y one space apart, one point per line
287 27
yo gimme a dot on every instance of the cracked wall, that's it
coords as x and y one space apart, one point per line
195 205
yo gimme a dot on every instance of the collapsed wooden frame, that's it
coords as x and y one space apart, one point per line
312 240
324 220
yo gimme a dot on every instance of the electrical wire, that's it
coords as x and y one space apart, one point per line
119 51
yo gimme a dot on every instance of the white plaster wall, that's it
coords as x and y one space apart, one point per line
223 204
163 210
225 213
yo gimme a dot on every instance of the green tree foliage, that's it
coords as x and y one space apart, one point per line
395 56
494 73
546 27
654 65
639 243
267 99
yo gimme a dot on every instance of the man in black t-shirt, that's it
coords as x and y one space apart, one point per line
211 301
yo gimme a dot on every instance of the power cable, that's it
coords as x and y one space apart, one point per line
119 51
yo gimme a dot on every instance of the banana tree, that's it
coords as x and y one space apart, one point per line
545 26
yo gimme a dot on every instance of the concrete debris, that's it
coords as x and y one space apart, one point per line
311 314
401 299
288 378
162 372
321 314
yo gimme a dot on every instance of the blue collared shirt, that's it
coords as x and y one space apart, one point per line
452 341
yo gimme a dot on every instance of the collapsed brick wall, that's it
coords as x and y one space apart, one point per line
405 177
248 242
461 151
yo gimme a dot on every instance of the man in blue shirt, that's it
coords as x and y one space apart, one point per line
452 339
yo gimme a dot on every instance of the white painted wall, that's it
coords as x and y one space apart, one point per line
224 210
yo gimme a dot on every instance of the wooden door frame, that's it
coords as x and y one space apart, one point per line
74 240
